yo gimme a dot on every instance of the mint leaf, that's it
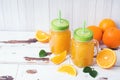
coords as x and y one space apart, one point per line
93 73
42 53
87 69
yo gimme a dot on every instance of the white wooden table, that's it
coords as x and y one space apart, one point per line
12 61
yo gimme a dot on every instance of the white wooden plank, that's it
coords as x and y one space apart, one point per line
41 15
80 12
22 15
91 12
107 8
15 54
9 70
19 35
1 16
29 15
66 9
10 12
99 11
43 72
115 15
50 72
26 15
6 12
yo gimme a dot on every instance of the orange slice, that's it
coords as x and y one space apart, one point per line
67 68
106 58
59 58
42 36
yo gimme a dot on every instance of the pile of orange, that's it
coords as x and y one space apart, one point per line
111 37
97 32
106 23
107 32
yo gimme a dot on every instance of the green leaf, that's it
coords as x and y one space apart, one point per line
93 73
87 69
42 53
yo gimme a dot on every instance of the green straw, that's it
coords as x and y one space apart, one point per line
59 15
84 26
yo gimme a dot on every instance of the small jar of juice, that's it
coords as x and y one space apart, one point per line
82 47
60 36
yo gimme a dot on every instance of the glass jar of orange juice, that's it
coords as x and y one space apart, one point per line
82 47
60 36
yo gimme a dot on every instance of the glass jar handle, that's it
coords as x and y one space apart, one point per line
96 43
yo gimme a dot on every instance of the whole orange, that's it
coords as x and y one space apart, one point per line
107 23
97 32
111 37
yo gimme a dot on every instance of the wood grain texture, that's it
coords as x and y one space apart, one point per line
10 14
41 15
31 15
1 16
80 12
115 12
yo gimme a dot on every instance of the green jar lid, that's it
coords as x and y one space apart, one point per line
83 36
56 24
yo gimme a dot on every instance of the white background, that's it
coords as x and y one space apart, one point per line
30 15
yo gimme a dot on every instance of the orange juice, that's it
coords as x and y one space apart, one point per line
82 53
82 48
60 36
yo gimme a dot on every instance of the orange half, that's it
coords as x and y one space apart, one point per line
106 58
42 36
67 68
